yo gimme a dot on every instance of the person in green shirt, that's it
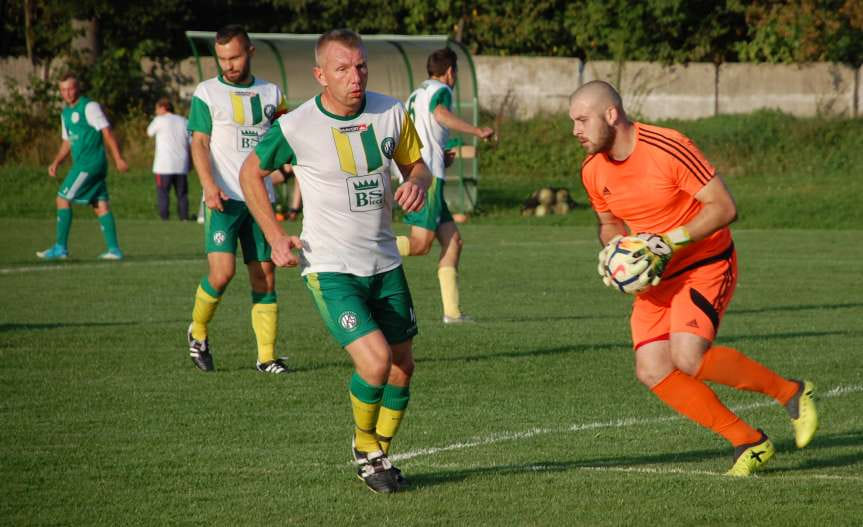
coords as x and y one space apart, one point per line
85 132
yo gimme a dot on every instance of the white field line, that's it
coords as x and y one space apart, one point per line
499 437
74 267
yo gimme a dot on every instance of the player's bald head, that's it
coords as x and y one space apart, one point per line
345 37
598 96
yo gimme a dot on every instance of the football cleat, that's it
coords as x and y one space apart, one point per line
804 417
751 457
376 471
461 319
274 366
55 252
111 254
199 352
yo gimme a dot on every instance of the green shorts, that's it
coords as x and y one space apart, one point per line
435 212
222 229
353 306
84 188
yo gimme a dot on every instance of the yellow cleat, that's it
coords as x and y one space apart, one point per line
804 417
751 457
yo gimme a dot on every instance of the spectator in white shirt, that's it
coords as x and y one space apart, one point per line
171 162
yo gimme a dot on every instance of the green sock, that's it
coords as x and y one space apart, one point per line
109 230
64 224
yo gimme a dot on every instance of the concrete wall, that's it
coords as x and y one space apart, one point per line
523 87
526 86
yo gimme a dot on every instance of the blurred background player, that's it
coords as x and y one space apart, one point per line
171 160
229 114
341 144
646 179
430 106
86 132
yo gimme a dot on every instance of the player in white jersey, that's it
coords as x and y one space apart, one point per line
229 114
341 145
430 107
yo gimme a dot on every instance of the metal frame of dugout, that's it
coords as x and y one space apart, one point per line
397 65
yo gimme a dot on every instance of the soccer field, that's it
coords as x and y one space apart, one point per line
531 416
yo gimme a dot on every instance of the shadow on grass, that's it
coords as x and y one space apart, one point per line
847 439
801 307
788 335
5 328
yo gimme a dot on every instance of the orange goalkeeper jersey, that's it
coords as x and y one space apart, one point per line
653 189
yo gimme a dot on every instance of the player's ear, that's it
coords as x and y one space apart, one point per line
318 74
611 115
251 50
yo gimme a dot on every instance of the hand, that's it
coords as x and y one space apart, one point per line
282 251
213 197
410 196
486 133
602 267
52 170
660 249
122 166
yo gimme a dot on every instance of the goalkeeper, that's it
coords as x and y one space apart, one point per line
654 182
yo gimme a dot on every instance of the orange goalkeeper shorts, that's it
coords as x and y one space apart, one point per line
692 300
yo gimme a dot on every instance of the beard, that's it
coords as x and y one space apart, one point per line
605 139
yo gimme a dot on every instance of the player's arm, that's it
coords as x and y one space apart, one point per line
111 142
200 148
411 194
609 226
61 156
258 201
453 122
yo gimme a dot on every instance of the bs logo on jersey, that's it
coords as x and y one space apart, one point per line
366 193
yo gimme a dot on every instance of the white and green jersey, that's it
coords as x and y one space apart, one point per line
342 165
81 124
421 106
235 117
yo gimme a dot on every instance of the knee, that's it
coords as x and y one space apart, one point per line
689 363
420 247
649 376
220 279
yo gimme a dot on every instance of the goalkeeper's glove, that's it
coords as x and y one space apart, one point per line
662 247
602 266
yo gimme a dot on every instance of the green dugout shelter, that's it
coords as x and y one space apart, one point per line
397 65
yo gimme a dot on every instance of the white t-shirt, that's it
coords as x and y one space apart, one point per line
235 117
434 136
342 165
172 144
95 118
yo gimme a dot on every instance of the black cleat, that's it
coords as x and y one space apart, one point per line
377 473
199 352
274 366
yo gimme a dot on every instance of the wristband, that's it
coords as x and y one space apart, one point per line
678 237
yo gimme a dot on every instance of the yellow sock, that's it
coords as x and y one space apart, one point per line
404 245
365 418
366 404
393 405
205 307
448 278
265 322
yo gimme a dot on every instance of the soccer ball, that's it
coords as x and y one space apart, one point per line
625 264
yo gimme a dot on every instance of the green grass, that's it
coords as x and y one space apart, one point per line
530 417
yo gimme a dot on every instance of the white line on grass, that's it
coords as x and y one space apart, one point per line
72 267
836 391
653 470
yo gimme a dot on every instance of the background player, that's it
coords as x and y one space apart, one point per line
228 116
341 145
171 160
85 131
430 106
646 179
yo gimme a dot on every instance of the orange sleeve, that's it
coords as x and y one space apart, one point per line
691 169
588 179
